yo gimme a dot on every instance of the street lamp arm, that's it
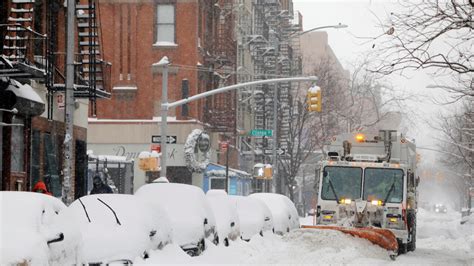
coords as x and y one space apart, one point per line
338 26
236 86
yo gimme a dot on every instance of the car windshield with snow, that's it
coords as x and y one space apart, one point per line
190 215
118 228
34 233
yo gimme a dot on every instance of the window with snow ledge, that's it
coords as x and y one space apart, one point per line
165 44
165 25
124 88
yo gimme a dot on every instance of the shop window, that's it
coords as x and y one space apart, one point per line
217 183
51 165
18 146
35 157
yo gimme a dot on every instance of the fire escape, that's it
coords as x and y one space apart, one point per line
28 54
222 112
21 43
92 72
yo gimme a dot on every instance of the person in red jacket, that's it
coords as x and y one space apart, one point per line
40 187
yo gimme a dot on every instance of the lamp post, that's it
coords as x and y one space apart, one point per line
163 64
278 184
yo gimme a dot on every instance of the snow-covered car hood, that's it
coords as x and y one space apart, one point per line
187 209
124 235
254 216
284 213
28 221
227 220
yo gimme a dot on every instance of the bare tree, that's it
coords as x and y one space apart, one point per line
301 142
457 143
430 34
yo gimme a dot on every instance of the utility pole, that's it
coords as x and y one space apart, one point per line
164 62
68 151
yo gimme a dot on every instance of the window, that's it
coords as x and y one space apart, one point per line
383 183
217 183
165 24
51 166
18 146
341 183
35 157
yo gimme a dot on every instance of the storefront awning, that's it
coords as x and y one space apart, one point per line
24 98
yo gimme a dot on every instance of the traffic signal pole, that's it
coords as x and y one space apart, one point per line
165 105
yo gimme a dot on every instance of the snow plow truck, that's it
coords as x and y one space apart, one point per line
368 188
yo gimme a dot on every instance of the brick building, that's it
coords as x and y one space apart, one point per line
32 64
138 33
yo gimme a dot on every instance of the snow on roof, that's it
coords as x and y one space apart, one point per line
217 170
24 91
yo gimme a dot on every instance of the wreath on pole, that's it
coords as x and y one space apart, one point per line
197 151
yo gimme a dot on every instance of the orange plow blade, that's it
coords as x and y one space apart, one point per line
381 237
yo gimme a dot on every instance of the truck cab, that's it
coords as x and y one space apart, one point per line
368 180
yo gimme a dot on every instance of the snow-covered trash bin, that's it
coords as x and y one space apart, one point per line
118 228
227 219
34 233
255 218
284 213
190 215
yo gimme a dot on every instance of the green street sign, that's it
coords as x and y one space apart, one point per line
261 132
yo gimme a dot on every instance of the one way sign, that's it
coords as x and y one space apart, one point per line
169 139
279 151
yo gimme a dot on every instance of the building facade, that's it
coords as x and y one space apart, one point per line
32 74
197 38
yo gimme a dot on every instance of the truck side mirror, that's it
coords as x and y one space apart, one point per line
417 181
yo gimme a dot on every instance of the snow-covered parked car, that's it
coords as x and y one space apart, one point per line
284 213
227 219
254 216
34 233
191 216
119 228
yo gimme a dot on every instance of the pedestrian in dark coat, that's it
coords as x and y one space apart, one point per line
100 187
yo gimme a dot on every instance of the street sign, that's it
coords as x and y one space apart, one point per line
261 132
279 151
169 139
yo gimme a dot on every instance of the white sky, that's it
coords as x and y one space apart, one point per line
362 18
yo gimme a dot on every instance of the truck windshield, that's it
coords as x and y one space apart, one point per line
378 184
346 183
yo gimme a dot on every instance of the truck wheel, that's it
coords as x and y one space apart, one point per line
412 244
402 248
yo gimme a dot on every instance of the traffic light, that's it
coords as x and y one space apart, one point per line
314 99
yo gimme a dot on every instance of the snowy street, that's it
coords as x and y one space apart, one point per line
442 240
